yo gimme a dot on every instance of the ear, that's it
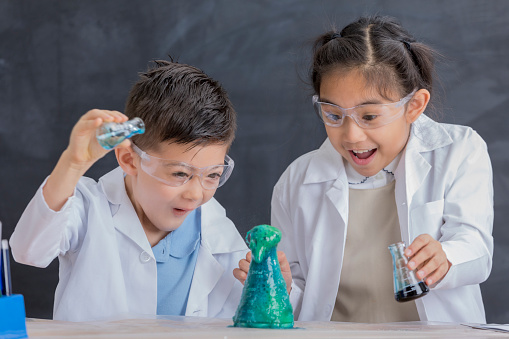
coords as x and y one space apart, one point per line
417 105
127 159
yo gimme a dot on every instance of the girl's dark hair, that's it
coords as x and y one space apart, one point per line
180 104
387 56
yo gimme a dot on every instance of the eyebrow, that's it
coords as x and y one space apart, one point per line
170 163
367 102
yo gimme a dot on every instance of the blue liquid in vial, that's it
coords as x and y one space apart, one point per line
111 134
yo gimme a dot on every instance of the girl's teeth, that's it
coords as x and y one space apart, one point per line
362 151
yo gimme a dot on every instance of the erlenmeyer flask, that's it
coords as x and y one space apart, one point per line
406 285
265 302
111 134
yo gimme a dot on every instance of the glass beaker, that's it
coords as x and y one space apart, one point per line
406 285
111 134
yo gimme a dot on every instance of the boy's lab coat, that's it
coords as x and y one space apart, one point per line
443 188
107 267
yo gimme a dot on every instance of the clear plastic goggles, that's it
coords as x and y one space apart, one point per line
365 116
175 173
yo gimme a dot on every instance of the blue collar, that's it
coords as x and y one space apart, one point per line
181 242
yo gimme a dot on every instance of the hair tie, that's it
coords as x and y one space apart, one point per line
407 45
335 35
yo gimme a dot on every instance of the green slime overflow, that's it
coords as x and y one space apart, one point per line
265 303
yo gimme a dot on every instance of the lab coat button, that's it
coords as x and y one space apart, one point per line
379 176
144 257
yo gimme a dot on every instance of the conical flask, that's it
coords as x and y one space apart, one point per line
265 302
110 134
406 285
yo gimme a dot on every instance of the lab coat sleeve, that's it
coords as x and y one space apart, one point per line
42 234
468 218
281 219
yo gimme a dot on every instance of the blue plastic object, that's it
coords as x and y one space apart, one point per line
12 317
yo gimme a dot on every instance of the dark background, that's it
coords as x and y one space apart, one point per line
58 59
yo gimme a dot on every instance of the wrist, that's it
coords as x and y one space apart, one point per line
73 165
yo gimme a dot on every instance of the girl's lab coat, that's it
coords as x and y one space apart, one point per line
107 268
443 188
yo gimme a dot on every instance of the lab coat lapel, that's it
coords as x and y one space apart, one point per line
206 275
219 235
426 135
327 168
122 210
327 165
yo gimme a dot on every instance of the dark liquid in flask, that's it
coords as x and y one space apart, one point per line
412 292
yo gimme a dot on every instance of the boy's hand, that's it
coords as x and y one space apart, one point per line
241 272
82 152
83 148
427 256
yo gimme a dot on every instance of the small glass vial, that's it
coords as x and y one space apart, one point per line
406 285
110 134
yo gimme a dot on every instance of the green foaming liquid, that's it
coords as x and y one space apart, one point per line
265 303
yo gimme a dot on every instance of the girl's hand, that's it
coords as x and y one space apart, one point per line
241 272
83 149
428 258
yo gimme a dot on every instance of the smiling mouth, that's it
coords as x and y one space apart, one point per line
363 154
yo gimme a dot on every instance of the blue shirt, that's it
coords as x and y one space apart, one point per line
176 256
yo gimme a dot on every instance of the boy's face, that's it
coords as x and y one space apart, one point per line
162 208
367 150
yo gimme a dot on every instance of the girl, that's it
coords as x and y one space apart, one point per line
386 173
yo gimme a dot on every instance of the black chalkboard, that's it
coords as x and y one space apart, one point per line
58 59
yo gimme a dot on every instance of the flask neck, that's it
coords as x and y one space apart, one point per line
398 251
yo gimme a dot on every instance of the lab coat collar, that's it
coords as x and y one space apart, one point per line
427 135
127 222
218 232
326 164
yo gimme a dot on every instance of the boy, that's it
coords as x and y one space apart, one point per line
148 238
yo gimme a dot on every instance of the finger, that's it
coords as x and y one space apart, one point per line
118 116
419 259
105 115
85 127
418 243
283 262
98 113
429 267
240 275
248 256
436 275
244 265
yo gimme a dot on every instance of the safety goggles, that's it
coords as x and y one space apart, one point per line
365 116
176 173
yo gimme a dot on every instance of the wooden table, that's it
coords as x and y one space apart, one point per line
193 327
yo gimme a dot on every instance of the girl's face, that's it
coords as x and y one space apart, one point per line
367 150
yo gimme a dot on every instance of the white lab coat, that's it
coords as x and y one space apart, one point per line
107 267
443 188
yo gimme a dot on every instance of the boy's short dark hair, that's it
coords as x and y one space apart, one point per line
180 104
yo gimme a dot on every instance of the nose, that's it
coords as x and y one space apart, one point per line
193 189
352 133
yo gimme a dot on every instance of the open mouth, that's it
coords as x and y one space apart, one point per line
363 157
180 211
364 154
